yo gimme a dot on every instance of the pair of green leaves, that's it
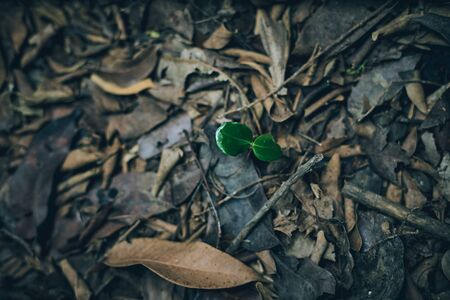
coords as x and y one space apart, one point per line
234 138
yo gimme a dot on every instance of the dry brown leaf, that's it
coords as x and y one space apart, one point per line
147 115
289 141
394 193
77 179
394 26
164 136
71 193
78 158
413 196
37 42
49 92
169 158
59 68
104 102
275 107
275 39
120 69
355 239
248 55
324 100
219 38
434 97
330 183
415 92
110 161
285 222
319 248
79 287
115 89
268 261
346 151
349 214
301 246
410 142
193 265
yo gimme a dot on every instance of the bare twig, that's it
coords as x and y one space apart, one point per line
206 186
280 193
397 211
235 194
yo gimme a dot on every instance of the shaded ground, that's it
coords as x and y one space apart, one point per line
109 163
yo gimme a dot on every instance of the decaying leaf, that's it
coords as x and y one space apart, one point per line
134 199
276 107
414 90
170 14
386 161
275 39
330 184
79 287
78 158
7 117
164 136
319 248
25 196
127 72
169 159
410 142
302 281
194 265
218 38
50 92
147 115
378 85
413 196
349 214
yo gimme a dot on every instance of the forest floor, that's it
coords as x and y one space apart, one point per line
112 185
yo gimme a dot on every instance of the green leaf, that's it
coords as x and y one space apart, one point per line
266 148
233 138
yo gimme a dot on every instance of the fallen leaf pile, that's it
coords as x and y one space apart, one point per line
112 185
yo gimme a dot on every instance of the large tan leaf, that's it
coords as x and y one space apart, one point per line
193 265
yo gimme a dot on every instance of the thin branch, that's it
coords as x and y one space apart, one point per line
377 202
206 186
280 193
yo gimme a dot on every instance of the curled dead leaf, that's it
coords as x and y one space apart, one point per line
415 92
123 71
115 89
193 265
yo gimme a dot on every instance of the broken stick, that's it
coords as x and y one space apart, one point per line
280 193
397 211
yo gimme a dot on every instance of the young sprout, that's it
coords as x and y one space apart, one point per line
233 138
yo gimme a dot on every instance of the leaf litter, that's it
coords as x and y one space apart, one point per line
112 185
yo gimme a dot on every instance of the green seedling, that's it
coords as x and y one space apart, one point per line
233 138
